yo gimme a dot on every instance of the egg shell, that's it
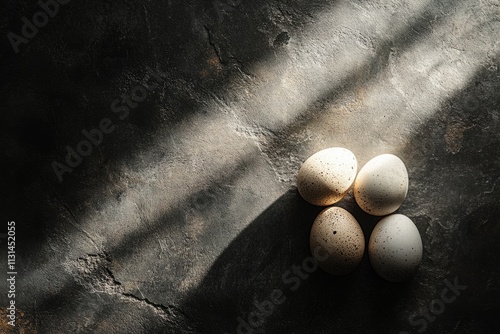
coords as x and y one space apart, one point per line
337 241
326 176
395 248
381 185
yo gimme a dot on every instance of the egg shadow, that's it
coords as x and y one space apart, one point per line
271 254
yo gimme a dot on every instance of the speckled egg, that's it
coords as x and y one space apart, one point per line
381 185
337 241
395 248
326 176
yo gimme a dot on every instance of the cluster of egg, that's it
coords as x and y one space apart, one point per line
336 240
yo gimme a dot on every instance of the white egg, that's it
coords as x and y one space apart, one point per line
381 185
326 176
337 241
395 248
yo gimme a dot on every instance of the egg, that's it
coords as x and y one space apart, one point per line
337 241
326 176
381 185
395 248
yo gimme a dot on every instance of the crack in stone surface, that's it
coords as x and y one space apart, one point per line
161 309
93 272
213 44
234 61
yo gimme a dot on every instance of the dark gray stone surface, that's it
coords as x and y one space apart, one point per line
186 215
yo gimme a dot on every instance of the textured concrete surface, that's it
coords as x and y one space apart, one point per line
186 215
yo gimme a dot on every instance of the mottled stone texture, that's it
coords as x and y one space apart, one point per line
186 215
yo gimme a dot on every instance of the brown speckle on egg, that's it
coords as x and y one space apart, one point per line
337 233
326 176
